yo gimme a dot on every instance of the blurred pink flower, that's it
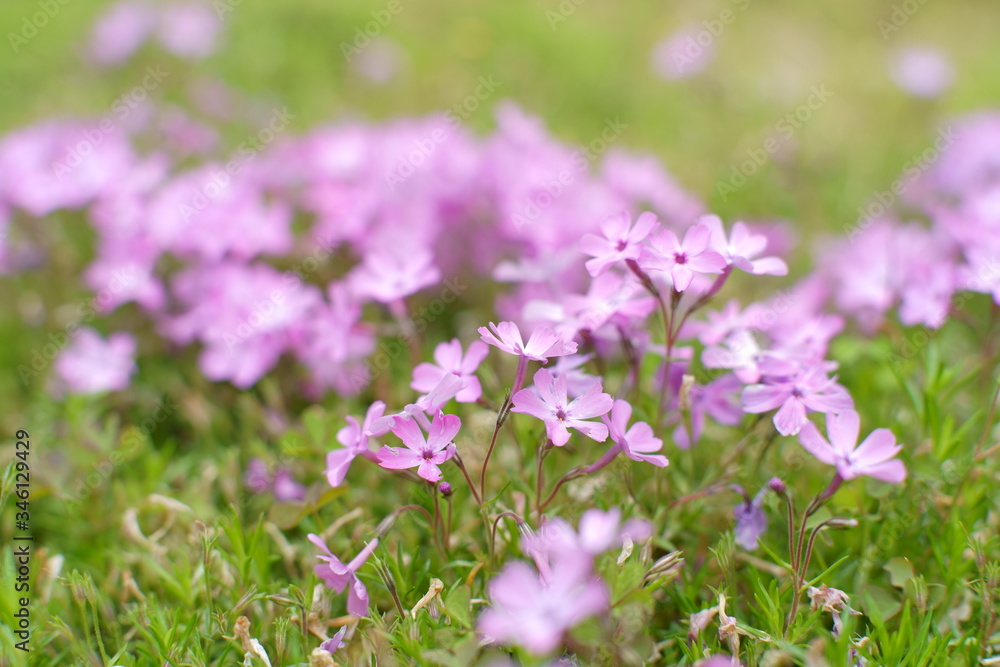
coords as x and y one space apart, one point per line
91 365
683 54
426 376
811 390
922 71
542 344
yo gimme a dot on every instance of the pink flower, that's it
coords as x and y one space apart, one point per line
535 613
120 31
90 364
637 442
544 342
682 259
356 441
552 406
338 576
621 241
809 390
742 247
425 455
189 29
427 376
873 457
387 275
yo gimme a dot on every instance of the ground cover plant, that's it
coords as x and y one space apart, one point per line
379 376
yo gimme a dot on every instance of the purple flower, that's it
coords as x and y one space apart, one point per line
392 273
91 365
682 259
424 454
334 643
552 405
742 247
542 344
356 441
338 576
873 457
286 488
257 478
534 613
809 390
427 376
638 442
621 241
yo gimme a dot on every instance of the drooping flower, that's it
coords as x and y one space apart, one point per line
873 457
339 576
548 401
811 390
543 343
621 241
427 376
355 439
682 259
424 454
637 442
751 521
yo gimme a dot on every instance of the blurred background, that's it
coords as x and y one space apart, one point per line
841 96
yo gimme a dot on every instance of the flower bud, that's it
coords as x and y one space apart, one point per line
446 489
777 486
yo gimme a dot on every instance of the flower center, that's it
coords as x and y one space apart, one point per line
797 393
680 257
561 415
622 245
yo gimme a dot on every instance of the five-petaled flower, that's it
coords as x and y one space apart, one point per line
682 260
809 390
873 457
621 241
424 454
548 401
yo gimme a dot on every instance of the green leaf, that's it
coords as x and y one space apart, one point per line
900 571
457 606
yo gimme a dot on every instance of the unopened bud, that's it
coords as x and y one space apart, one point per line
777 486
446 489
838 522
